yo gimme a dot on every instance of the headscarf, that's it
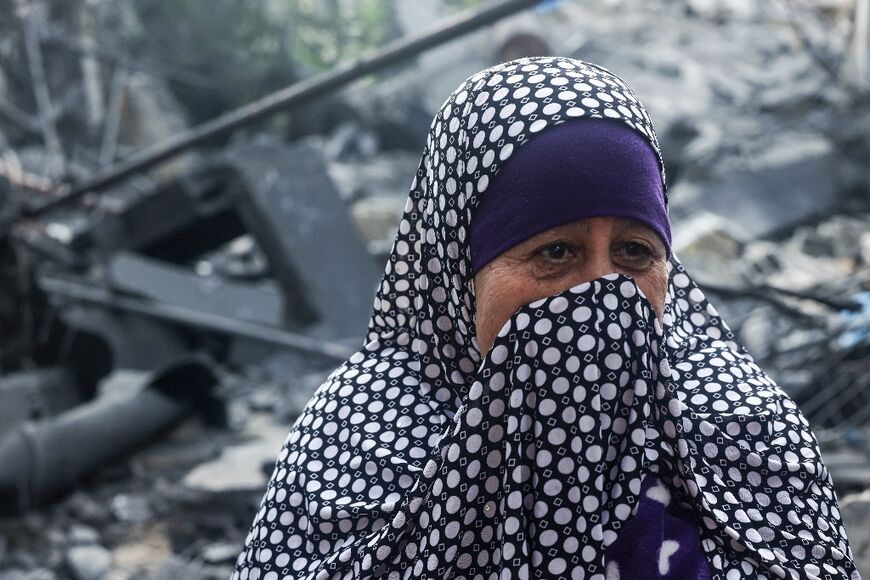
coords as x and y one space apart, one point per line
572 171
421 458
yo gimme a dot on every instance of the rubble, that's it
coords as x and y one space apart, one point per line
88 562
131 508
855 510
35 574
243 468
767 159
786 183
44 458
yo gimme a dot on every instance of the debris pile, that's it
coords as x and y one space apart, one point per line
235 256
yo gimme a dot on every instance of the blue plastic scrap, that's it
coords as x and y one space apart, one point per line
856 323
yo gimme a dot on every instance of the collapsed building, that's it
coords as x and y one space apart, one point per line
136 296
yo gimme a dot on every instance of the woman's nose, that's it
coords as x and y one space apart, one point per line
597 262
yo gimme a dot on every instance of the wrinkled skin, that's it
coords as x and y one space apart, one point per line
562 257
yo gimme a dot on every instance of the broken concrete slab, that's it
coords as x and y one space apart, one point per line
292 206
171 284
705 243
788 182
240 467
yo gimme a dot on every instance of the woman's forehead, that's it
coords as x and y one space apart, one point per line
592 227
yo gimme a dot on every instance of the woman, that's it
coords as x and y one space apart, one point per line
544 392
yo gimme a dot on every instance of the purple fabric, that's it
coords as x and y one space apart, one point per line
659 542
578 169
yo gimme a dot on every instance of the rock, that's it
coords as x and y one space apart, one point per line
189 445
725 9
87 510
812 244
706 246
38 574
175 567
762 259
131 508
88 562
844 234
786 265
142 552
240 468
220 553
56 536
350 140
378 217
26 559
79 534
263 401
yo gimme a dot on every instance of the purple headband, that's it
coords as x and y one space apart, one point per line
572 171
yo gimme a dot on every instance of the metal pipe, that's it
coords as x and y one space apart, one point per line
42 460
292 96
36 393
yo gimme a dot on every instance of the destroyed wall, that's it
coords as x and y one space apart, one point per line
764 120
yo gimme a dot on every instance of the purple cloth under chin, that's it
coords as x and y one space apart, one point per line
578 169
659 542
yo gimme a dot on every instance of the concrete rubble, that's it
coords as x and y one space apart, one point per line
769 163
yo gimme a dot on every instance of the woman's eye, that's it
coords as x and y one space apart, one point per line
556 252
635 255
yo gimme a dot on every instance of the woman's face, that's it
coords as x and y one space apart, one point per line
563 257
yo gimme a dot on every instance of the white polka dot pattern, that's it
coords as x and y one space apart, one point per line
418 458
746 459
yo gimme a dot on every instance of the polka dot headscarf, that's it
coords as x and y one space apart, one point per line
420 457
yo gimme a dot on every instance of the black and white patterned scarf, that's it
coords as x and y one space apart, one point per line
420 458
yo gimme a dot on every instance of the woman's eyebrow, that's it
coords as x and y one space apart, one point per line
633 224
582 226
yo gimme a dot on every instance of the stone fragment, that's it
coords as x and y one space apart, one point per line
378 218
142 552
88 562
87 510
705 244
131 508
220 553
240 468
37 574
80 534
174 568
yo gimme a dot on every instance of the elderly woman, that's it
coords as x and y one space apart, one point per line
545 393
